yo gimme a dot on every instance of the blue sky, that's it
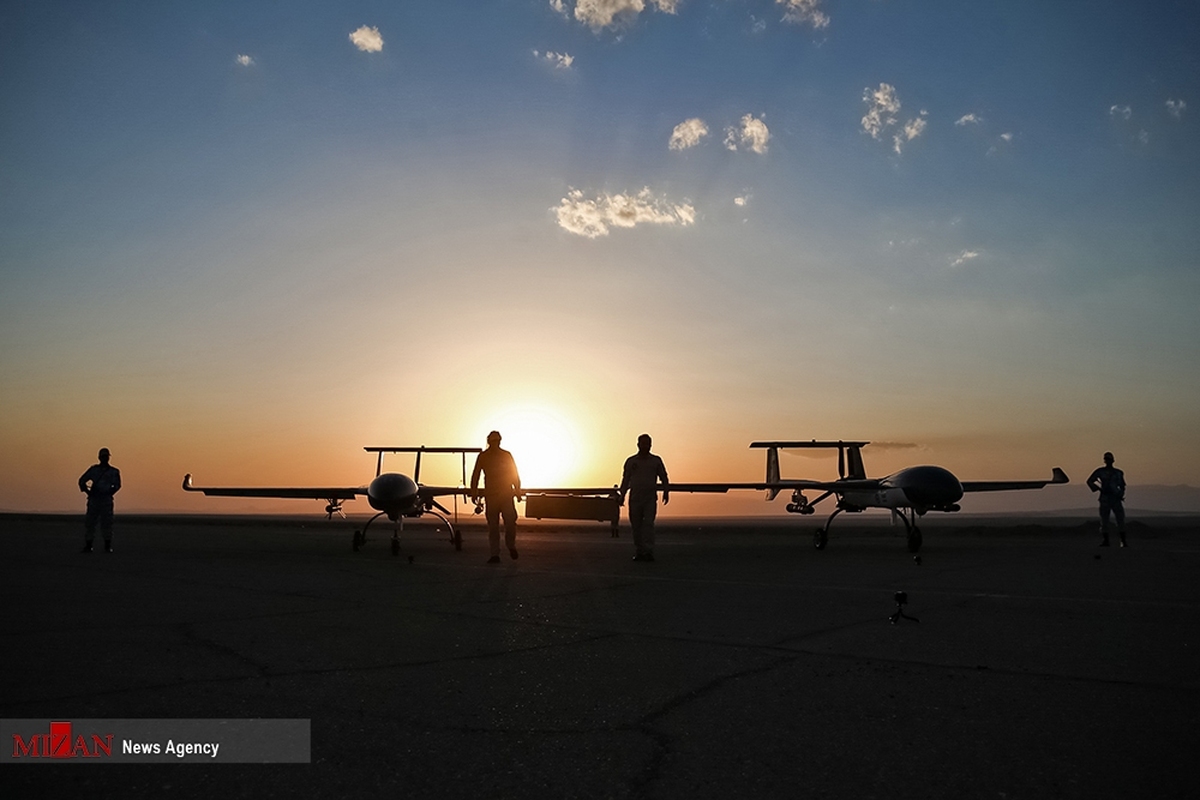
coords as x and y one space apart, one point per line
234 235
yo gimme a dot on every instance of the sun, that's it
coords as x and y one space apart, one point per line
543 443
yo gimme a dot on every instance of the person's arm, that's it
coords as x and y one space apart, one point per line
475 477
516 476
666 482
625 479
116 483
83 482
1091 481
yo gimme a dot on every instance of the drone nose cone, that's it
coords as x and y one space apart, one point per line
930 487
393 493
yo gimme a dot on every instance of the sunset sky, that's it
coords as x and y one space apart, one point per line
245 239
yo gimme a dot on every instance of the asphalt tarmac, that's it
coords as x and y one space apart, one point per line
742 663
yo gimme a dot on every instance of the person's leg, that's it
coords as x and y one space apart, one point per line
636 512
492 512
509 511
648 518
89 526
1104 512
106 526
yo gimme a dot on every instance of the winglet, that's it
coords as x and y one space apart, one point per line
772 471
1060 476
187 483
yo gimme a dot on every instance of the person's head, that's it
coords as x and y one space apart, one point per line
644 443
103 455
1108 459
493 439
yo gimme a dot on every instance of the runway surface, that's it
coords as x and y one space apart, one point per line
742 663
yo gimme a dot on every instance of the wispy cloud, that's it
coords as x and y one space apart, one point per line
245 61
367 39
688 134
1124 112
742 200
556 60
1176 108
964 257
594 217
600 14
800 12
911 130
968 119
883 104
749 134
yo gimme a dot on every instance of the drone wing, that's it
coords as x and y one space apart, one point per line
302 492
1057 476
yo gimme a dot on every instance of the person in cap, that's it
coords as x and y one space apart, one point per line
99 483
640 479
501 488
1110 483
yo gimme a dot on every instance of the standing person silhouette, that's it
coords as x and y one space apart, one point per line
99 483
501 487
640 479
1110 483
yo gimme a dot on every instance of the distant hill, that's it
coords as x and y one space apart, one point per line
1075 497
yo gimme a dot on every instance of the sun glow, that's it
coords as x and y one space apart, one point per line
543 443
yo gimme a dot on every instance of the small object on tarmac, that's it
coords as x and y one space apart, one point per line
901 598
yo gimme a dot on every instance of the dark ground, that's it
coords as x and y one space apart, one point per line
742 663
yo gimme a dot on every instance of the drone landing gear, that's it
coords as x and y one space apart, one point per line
821 537
913 533
360 537
455 536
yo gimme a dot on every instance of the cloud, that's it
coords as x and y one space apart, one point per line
751 134
688 134
596 217
556 60
967 119
600 14
1008 137
911 130
877 446
1125 112
559 6
1176 108
799 12
245 61
964 257
741 201
367 39
882 105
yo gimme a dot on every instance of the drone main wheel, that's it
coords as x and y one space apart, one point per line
395 547
820 539
457 540
914 539
358 541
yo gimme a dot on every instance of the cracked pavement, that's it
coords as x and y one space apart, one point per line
741 663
